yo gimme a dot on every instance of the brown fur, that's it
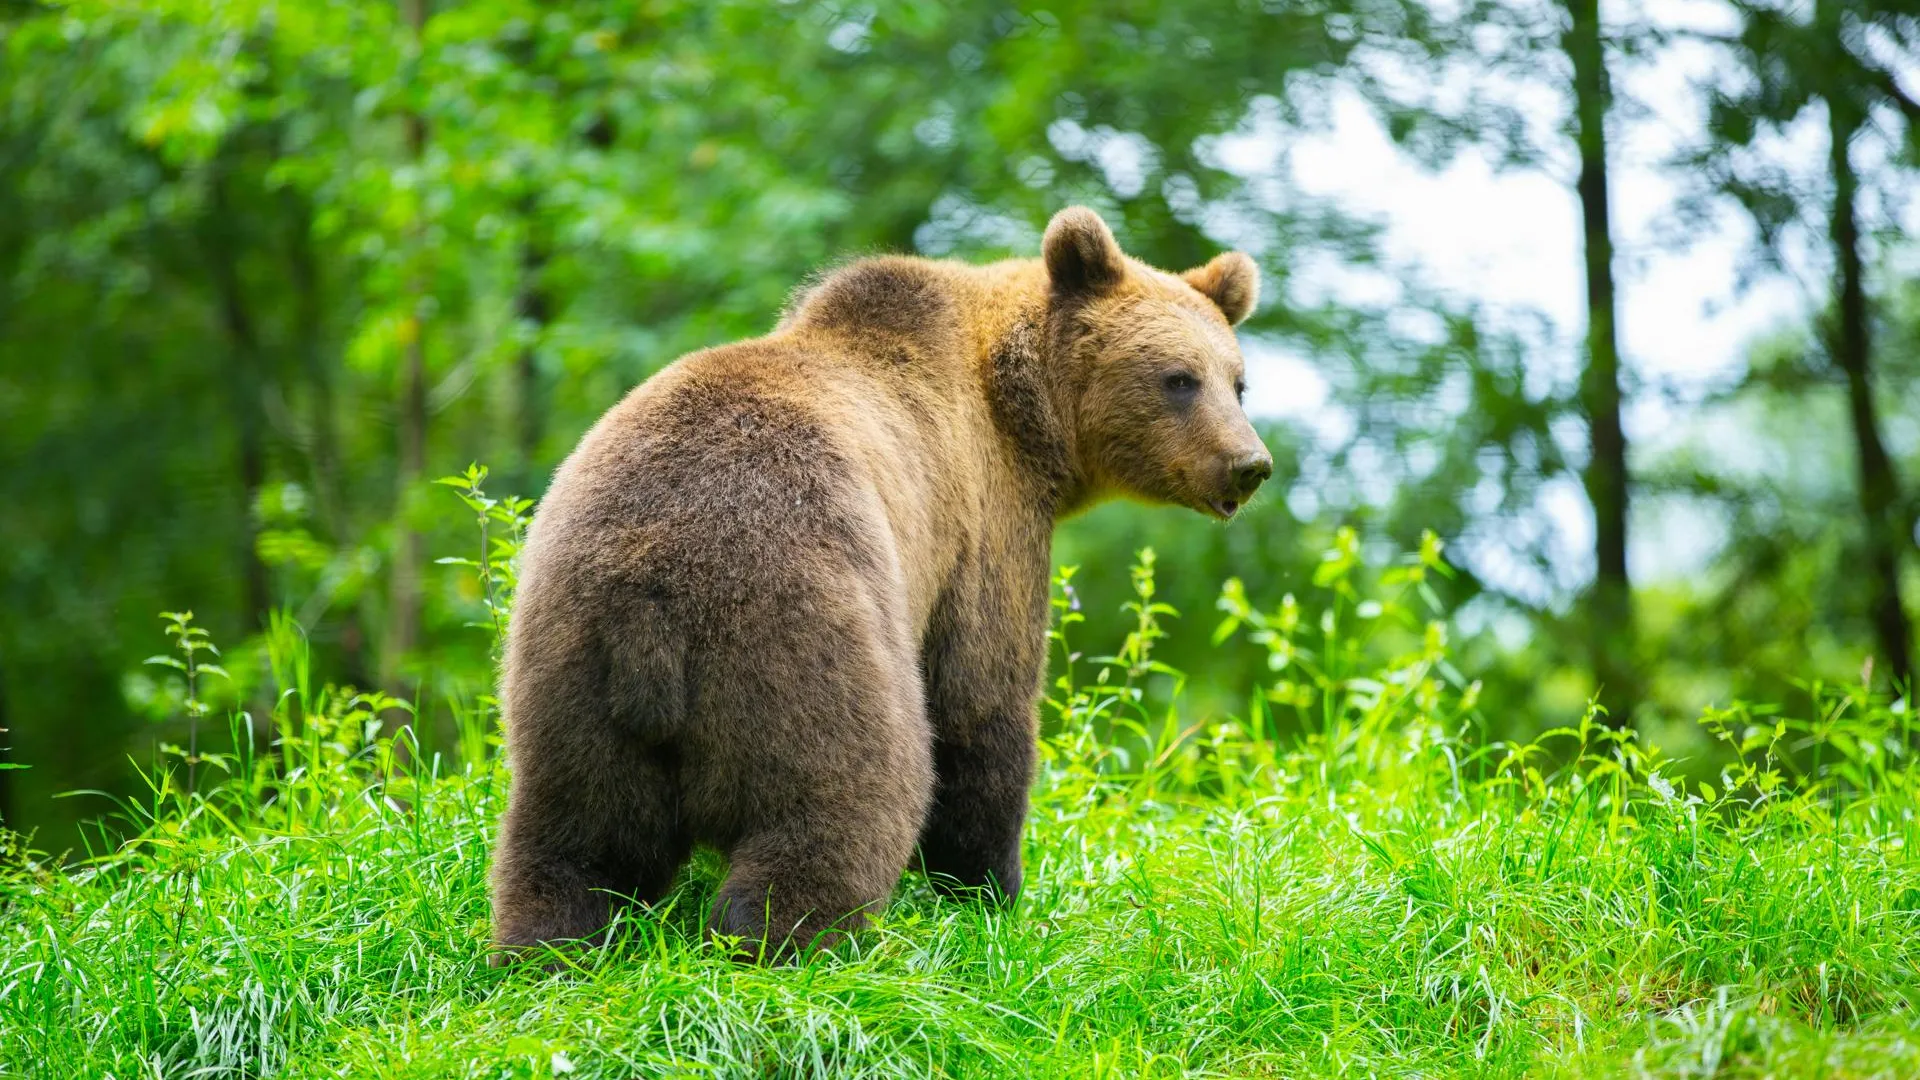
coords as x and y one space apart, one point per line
789 597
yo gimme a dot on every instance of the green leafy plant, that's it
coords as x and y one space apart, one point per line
190 641
495 566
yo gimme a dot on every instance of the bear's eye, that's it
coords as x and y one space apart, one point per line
1181 382
1240 389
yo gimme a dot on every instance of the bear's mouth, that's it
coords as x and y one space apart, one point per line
1224 508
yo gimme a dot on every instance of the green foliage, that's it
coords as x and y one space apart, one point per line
233 233
1386 893
191 641
496 569
267 268
236 239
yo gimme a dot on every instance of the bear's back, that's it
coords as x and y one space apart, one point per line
855 435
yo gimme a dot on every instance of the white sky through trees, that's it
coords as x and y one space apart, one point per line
1508 239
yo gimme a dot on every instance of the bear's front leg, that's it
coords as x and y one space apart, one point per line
971 842
983 656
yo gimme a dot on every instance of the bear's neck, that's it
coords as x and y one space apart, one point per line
1001 318
1015 334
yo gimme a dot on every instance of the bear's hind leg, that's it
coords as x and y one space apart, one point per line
571 852
813 879
825 844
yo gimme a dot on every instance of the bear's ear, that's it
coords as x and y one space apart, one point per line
1081 253
1231 281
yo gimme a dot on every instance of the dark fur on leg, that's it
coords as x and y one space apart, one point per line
971 845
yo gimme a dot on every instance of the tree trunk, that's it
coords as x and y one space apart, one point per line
243 344
8 811
308 328
409 555
534 307
1610 608
322 417
1852 352
409 551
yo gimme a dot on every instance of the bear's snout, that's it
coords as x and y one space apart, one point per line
1244 476
1250 472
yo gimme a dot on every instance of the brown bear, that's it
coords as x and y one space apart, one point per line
789 596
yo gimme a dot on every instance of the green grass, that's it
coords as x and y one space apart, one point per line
1373 892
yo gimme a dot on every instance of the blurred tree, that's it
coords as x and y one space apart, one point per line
1485 403
8 807
1610 610
409 559
1842 56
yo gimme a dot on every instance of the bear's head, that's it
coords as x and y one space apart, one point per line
1153 373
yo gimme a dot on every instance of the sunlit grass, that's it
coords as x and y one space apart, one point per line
1377 894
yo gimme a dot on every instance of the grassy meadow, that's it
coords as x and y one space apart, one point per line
1542 717
1342 879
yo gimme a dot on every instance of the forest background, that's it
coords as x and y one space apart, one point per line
267 270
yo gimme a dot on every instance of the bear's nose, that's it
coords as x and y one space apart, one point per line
1250 472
